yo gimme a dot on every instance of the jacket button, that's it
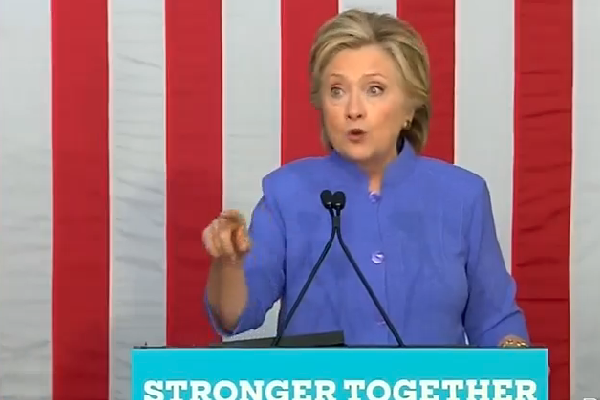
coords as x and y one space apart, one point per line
377 257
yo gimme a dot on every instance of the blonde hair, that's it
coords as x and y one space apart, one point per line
353 29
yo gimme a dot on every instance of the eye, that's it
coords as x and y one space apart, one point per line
336 91
375 90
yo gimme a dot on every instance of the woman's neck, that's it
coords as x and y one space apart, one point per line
375 171
375 183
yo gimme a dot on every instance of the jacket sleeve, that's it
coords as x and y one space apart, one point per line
263 265
491 313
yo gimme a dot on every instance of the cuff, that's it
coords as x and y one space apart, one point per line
512 327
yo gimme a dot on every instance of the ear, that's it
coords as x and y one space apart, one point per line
409 111
409 115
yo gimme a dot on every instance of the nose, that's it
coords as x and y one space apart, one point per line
355 107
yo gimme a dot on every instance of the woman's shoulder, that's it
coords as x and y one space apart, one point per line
450 176
302 166
295 177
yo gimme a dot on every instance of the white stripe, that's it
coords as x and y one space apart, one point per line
251 128
381 6
26 200
484 102
585 203
137 149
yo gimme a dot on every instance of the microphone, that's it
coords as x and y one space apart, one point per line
327 201
338 202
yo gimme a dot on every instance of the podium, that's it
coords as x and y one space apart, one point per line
314 340
322 367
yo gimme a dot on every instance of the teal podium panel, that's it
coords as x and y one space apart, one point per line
339 374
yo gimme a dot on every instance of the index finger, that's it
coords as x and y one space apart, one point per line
233 215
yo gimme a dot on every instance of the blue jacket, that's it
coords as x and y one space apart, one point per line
427 245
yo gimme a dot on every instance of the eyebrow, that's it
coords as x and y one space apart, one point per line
369 75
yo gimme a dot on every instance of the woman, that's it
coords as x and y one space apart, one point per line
420 230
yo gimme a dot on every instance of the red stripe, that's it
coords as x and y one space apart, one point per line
434 20
542 176
80 285
300 121
194 165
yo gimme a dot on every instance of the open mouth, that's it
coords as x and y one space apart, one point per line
356 134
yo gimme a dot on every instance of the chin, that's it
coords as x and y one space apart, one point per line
358 154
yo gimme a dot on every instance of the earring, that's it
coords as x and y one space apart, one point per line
407 124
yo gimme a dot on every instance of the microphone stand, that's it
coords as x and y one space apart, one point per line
338 203
326 200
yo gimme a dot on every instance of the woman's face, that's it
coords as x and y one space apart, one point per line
364 107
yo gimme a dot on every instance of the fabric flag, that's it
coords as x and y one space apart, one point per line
127 125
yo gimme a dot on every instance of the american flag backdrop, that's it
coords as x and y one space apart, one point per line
127 125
